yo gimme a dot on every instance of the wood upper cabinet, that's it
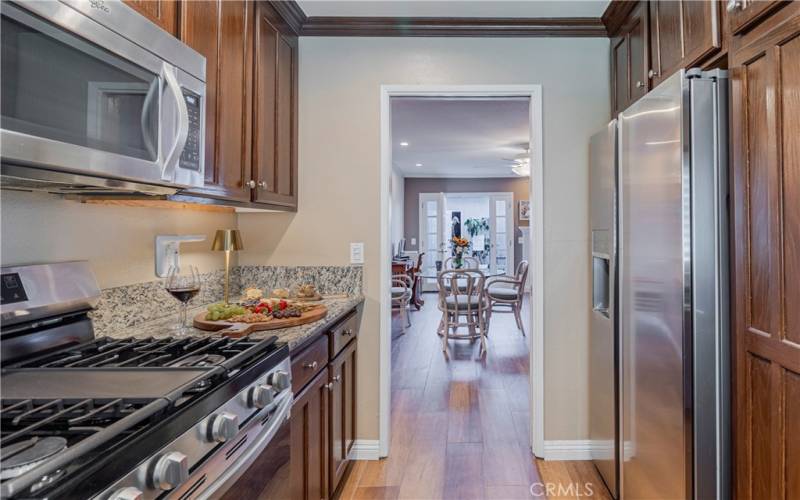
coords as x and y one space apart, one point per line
342 376
162 12
629 59
682 33
221 30
765 172
275 110
309 430
744 14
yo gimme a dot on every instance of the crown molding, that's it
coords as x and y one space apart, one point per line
303 25
453 27
615 15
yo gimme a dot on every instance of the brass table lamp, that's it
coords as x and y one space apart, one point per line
227 240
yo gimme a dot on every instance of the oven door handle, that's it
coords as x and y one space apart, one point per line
182 134
240 465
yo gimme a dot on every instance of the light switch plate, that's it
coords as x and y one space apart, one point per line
357 253
413 242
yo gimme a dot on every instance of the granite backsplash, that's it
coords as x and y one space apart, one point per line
128 306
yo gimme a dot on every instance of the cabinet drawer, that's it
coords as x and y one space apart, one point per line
310 362
343 333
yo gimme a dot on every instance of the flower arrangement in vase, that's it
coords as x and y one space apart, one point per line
460 245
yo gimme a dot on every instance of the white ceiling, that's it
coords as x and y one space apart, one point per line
454 8
458 137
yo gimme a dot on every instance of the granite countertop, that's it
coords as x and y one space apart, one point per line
296 336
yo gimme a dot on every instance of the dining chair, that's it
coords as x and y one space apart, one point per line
401 296
463 303
508 291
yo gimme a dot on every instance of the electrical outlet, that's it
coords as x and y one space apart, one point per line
413 242
356 253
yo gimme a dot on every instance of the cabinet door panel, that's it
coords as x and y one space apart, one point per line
309 428
665 19
342 412
750 13
200 30
766 261
234 100
619 69
637 37
701 34
162 12
275 122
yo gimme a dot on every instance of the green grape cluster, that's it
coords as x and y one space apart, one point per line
221 311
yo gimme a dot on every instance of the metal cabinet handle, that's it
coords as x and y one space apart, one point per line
262 185
653 73
251 184
348 331
311 366
329 386
733 5
639 85
336 378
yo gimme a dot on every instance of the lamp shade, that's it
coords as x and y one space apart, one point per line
227 240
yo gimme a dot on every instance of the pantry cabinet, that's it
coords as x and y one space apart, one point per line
765 256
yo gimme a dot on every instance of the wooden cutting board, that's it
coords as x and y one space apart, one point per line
236 330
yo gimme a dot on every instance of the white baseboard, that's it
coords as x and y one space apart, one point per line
365 449
577 449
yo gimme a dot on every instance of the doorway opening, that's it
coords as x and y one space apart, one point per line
489 216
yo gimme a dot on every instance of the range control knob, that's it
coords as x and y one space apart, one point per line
170 471
128 493
279 379
260 396
223 426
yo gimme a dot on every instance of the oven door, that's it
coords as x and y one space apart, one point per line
78 97
255 464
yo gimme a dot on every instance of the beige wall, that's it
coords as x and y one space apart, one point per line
117 241
340 81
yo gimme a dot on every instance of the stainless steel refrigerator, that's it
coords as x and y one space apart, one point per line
672 336
602 340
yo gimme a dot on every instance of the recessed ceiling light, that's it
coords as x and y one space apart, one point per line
418 165
404 144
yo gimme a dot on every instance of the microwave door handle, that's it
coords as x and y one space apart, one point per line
182 134
146 132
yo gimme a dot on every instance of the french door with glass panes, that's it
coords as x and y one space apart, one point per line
433 236
501 227
435 227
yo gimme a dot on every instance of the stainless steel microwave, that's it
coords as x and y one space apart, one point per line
96 98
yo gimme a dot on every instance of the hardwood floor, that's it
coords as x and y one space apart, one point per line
460 429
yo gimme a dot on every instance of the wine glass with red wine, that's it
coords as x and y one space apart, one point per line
183 283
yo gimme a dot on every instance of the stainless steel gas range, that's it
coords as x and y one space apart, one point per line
86 417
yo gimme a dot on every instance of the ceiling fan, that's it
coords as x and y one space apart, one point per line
521 163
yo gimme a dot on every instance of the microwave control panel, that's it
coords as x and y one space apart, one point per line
190 157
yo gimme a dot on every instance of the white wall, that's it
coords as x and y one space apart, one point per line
339 149
117 241
397 208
